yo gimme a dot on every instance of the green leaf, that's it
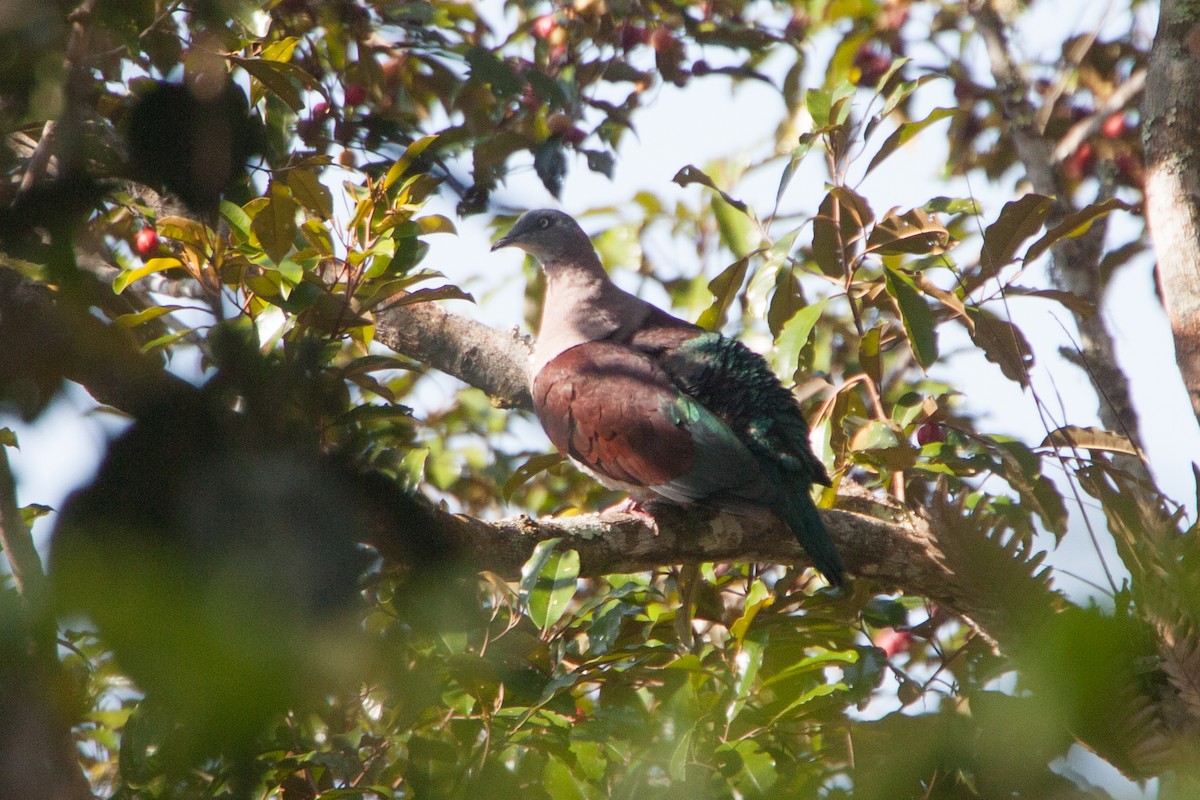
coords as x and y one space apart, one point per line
724 289
910 233
548 582
311 193
840 222
447 292
905 132
915 314
281 50
1002 343
238 219
185 230
868 354
145 315
560 783
601 161
758 598
8 438
34 512
522 474
1018 220
1074 436
801 150
690 174
1074 225
882 612
434 223
406 159
487 68
1077 304
275 223
794 336
128 276
278 77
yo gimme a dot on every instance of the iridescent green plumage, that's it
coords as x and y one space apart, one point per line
737 386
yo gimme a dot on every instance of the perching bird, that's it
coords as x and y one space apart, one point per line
658 407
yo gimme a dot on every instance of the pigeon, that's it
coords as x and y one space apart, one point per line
660 408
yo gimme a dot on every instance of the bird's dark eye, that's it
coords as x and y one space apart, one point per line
544 223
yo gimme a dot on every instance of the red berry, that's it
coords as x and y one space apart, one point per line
1131 168
630 36
558 123
662 39
355 94
872 64
320 111
146 241
543 26
1113 126
574 135
892 641
1079 165
930 432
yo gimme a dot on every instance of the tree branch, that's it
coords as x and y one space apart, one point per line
1075 261
495 361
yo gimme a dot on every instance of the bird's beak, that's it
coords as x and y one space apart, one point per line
503 241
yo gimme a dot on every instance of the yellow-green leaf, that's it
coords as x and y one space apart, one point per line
724 289
1018 220
152 266
275 223
1074 225
915 315
407 158
1074 436
145 315
311 193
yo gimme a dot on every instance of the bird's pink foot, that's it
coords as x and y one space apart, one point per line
630 506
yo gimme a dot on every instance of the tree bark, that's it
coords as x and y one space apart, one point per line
1172 120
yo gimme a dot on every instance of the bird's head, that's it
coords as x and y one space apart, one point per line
549 236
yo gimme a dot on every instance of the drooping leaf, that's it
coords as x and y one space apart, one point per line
869 353
522 474
137 318
1087 438
905 132
794 336
275 223
915 315
1002 343
489 69
724 289
126 277
311 193
1018 220
405 161
1079 305
548 582
839 223
912 232
1073 225
691 174
550 164
278 77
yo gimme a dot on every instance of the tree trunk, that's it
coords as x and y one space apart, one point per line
1171 116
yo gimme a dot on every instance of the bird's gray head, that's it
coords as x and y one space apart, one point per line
549 236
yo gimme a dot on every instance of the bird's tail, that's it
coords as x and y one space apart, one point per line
800 513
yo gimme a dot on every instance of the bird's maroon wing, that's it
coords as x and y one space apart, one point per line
603 405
